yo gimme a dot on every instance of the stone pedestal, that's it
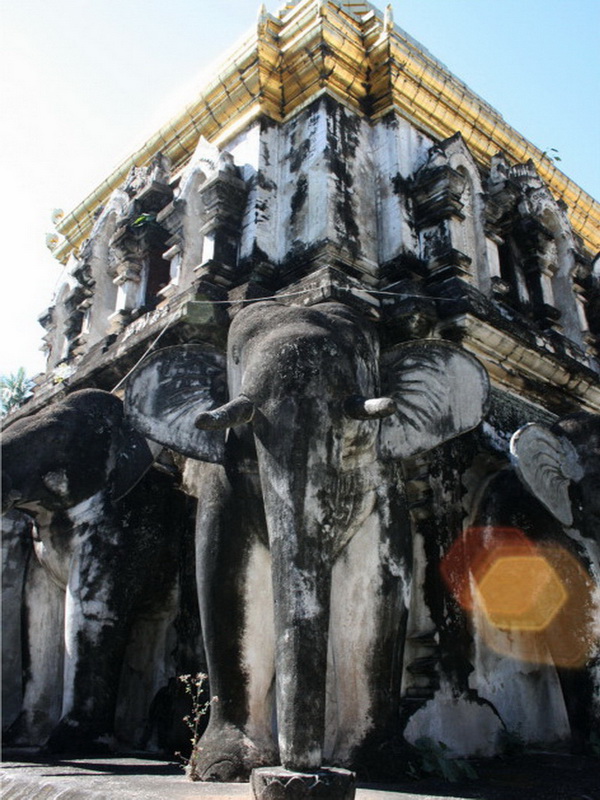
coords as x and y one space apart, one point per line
277 783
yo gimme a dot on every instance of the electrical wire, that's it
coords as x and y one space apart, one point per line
247 300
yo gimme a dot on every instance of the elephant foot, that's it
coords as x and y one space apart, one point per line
27 730
73 736
225 754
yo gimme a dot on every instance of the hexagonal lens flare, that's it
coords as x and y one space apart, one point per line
521 592
538 592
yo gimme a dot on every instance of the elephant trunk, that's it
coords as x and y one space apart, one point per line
358 407
237 412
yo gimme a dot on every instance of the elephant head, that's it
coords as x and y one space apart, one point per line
560 467
304 388
280 356
83 584
70 451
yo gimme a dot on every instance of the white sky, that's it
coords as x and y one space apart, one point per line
85 82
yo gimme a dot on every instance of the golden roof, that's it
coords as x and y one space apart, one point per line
351 51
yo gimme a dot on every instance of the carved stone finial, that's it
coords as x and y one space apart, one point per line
388 19
52 241
207 156
261 20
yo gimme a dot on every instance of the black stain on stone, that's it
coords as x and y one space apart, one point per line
299 197
401 186
340 152
298 155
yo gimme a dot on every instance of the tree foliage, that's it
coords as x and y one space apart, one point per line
14 390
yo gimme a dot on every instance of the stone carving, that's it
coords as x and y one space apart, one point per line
304 545
281 784
205 219
143 182
98 268
536 271
546 465
103 559
16 552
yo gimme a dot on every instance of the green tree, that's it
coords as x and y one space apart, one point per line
14 390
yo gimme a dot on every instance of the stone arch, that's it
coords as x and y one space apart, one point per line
184 221
471 233
55 321
100 262
559 264
536 264
449 211
592 308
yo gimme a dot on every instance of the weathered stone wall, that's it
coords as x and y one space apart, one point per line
376 200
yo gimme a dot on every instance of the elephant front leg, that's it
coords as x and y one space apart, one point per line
97 617
301 587
236 607
43 640
369 609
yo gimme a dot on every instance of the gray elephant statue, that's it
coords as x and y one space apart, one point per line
560 467
547 502
303 537
106 546
17 545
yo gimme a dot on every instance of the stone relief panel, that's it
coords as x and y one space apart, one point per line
448 197
535 271
98 269
204 220
64 319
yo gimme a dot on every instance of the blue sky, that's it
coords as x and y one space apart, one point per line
84 82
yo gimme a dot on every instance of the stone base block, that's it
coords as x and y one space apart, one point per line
277 783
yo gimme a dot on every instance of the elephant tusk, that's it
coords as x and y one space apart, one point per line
359 407
237 412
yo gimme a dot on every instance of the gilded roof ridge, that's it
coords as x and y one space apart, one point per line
371 65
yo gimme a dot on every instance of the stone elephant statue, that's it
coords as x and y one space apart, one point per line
303 538
545 504
106 546
16 553
560 467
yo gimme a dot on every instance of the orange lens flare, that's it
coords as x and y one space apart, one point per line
521 592
526 600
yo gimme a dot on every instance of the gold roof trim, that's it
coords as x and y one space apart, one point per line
343 49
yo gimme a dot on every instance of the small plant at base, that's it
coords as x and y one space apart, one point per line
433 758
194 685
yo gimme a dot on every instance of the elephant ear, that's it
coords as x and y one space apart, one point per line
169 389
440 392
134 458
546 464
